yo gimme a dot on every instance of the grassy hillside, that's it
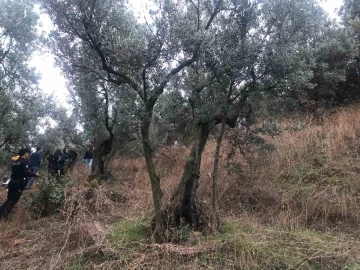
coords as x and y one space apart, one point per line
297 207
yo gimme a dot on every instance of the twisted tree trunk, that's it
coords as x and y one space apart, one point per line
100 154
158 222
185 196
215 216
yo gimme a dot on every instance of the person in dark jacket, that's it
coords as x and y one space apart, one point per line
73 157
67 160
20 173
35 162
88 156
52 164
58 163
64 160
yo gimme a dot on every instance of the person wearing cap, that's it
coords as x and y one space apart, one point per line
19 175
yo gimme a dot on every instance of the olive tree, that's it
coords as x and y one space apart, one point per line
141 56
261 49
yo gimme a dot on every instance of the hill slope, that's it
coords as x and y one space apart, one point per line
297 207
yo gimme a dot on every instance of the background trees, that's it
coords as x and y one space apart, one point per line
22 105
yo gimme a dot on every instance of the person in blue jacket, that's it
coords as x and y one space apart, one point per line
35 162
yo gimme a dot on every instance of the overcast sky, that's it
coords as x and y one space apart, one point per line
53 82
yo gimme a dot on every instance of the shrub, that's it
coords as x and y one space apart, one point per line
49 197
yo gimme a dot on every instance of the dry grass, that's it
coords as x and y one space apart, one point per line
294 208
338 137
316 171
54 242
134 179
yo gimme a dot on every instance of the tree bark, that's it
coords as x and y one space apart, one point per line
6 139
185 196
100 154
159 223
184 199
106 145
215 216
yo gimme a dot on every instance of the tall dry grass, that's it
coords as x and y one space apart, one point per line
337 138
310 180
268 204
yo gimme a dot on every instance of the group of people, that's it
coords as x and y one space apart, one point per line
24 169
34 162
60 162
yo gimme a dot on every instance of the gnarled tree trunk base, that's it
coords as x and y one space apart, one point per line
175 232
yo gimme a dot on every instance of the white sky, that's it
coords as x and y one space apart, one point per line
331 7
53 82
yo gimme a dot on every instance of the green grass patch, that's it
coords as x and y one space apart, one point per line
243 246
336 174
355 266
130 231
76 266
129 239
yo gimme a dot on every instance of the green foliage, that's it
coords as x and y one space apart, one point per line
48 199
185 233
327 174
172 115
76 266
126 237
93 183
130 232
354 266
22 104
116 195
269 128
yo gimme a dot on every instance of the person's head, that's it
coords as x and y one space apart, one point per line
66 149
24 153
5 175
38 149
57 152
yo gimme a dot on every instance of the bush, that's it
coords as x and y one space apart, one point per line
49 197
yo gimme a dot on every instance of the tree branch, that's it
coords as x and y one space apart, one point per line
213 15
121 77
198 13
6 139
109 127
70 136
158 90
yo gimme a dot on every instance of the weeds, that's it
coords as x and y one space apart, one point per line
129 231
49 197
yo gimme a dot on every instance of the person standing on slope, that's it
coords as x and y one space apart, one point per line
19 175
35 162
